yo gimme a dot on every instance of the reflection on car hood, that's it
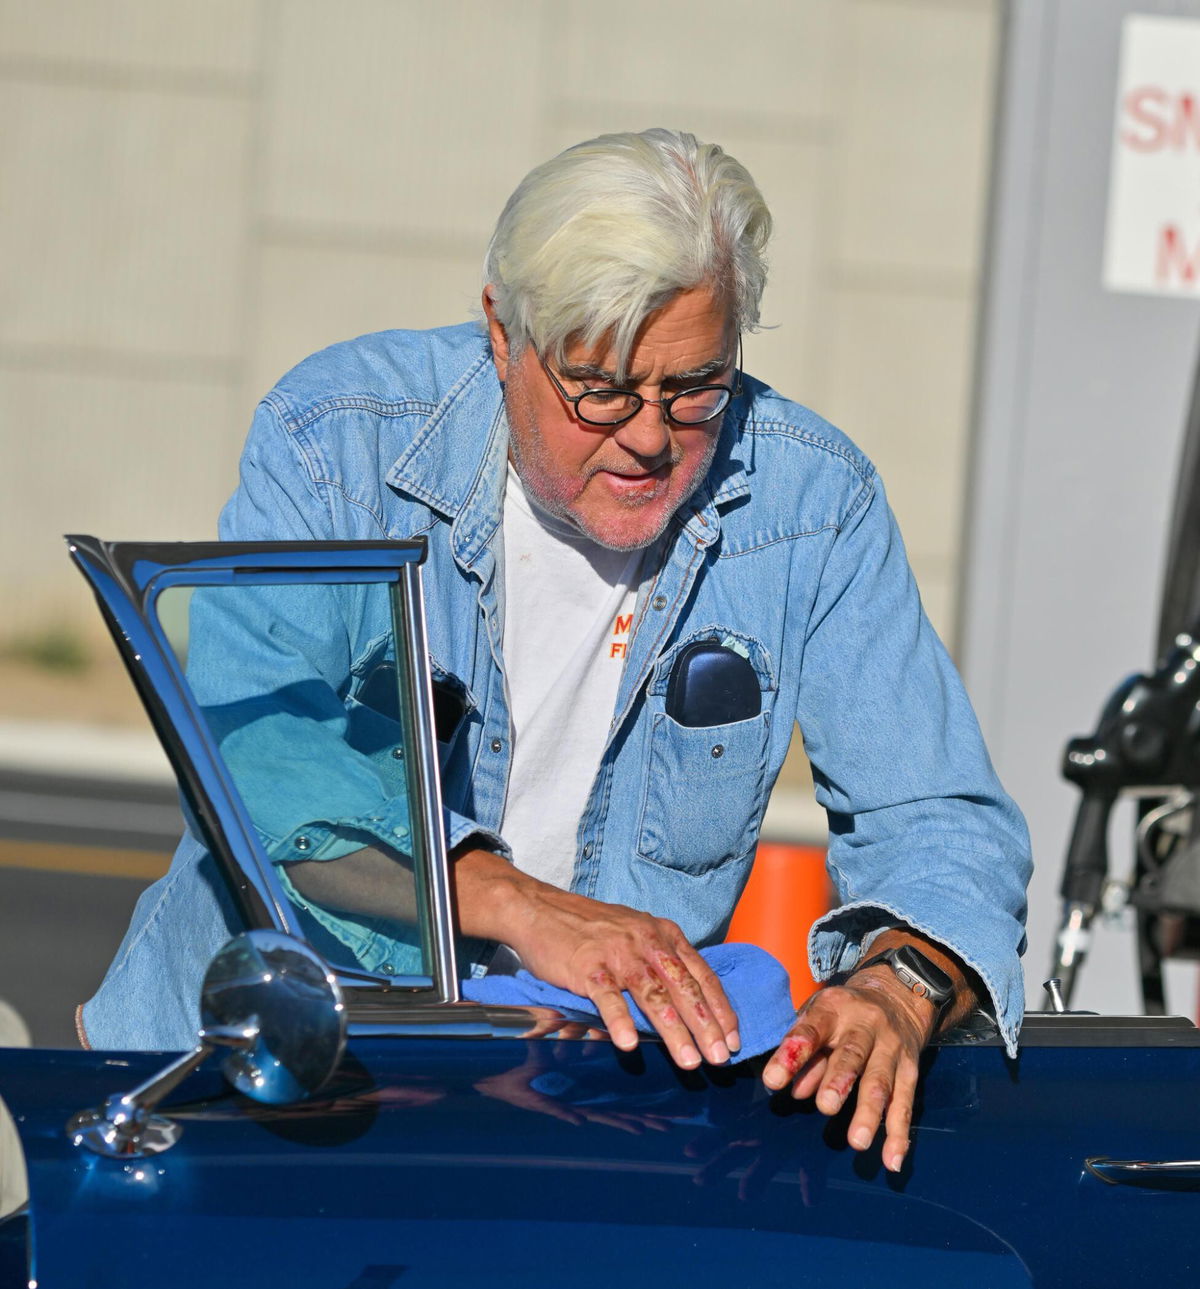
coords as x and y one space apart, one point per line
446 1162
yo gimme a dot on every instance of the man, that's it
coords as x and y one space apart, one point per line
611 507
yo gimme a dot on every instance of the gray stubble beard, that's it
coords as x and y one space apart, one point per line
560 508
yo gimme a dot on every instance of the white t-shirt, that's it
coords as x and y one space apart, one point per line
569 606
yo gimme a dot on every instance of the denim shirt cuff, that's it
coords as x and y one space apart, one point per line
459 828
842 938
325 839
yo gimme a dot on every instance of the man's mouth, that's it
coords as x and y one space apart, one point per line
631 483
660 471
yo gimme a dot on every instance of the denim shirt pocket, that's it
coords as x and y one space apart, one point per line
704 792
453 705
704 786
453 702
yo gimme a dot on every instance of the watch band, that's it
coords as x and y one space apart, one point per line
921 975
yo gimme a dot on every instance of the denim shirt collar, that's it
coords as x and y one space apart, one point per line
727 480
443 468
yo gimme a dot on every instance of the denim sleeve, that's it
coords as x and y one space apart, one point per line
921 831
279 498
270 668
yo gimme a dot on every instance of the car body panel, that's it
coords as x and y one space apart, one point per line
445 1160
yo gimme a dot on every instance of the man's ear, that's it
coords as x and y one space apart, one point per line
496 332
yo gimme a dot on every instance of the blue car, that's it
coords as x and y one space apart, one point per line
343 1123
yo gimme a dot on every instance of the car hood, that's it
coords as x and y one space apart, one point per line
451 1161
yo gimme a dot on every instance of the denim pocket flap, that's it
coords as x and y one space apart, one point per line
704 792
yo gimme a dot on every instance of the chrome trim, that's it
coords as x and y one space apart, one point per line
126 577
181 732
267 998
125 1126
455 1020
1053 987
1150 1174
424 783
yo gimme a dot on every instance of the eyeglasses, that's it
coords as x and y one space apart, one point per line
609 407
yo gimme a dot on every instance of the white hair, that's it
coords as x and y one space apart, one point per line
595 240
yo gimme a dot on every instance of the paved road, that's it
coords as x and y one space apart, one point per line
112 814
74 856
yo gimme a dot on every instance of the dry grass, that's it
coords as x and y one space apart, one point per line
99 694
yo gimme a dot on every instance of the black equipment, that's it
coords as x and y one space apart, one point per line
1146 744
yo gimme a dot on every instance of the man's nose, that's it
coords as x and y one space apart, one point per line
647 434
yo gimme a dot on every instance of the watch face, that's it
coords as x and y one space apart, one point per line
924 978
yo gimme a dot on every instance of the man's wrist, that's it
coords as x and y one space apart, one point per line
881 981
917 972
942 1015
494 898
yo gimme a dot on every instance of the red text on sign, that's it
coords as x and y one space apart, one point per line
1158 120
1174 264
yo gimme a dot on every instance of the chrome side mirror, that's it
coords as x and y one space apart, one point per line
277 1008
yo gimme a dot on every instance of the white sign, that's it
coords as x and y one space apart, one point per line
1152 244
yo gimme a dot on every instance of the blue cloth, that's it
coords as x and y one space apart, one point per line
755 983
787 553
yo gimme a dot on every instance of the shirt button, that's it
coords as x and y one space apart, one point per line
302 843
398 753
497 745
718 750
587 850
659 602
387 969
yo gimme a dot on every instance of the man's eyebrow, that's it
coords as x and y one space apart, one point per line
593 371
587 371
697 375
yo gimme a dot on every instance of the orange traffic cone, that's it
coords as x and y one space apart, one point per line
787 891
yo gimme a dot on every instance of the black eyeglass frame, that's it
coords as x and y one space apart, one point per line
664 403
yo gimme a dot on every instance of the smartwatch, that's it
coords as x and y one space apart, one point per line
925 978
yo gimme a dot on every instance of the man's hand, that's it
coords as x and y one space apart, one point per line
870 1030
598 950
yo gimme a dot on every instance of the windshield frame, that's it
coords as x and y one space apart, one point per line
128 578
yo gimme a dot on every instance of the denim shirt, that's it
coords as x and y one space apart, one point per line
787 553
285 679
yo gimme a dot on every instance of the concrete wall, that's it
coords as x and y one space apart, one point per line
198 194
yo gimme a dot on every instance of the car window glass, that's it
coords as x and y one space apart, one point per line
300 689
